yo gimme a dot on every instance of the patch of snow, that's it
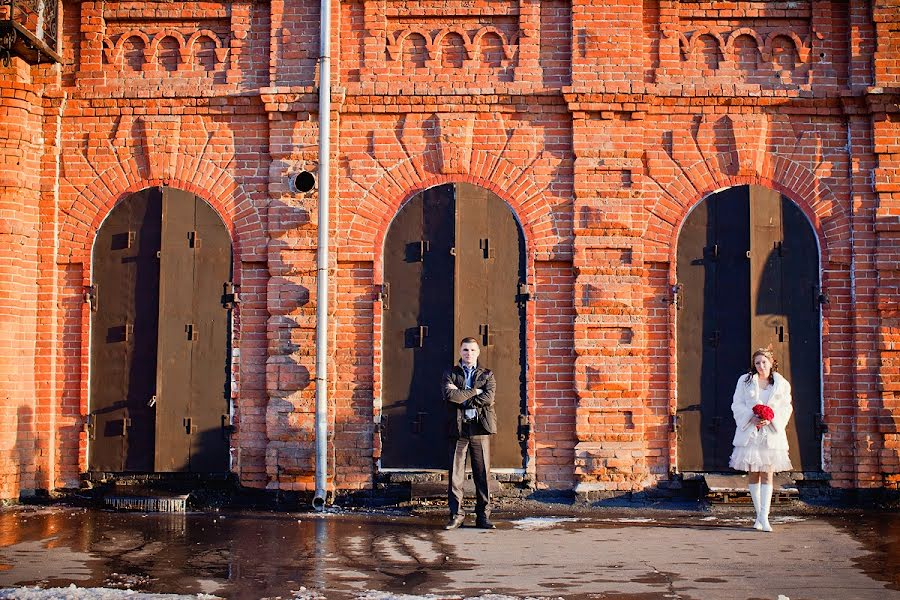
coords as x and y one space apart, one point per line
788 519
305 594
373 595
532 523
631 520
76 593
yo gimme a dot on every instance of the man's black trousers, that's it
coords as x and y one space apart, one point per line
478 449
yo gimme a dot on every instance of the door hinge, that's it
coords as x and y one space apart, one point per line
524 293
713 338
228 427
92 297
230 296
191 331
383 295
487 338
674 297
821 427
189 427
819 297
485 245
193 239
524 429
711 252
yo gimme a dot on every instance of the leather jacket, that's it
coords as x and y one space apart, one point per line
459 399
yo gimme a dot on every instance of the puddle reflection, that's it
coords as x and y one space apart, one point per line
880 533
236 556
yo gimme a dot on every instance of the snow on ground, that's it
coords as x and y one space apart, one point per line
486 596
532 523
630 520
76 593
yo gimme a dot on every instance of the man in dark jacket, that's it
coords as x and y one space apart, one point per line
468 390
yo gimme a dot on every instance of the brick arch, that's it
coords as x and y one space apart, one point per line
232 204
827 217
368 218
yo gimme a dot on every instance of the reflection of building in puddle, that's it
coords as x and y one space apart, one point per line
409 559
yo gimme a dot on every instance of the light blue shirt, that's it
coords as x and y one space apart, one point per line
469 372
470 375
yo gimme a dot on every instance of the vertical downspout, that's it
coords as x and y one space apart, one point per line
322 280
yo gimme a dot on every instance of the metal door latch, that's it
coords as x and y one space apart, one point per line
487 337
423 333
485 245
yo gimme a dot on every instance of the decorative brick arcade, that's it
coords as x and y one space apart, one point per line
600 124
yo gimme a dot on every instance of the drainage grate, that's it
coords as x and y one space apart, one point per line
177 504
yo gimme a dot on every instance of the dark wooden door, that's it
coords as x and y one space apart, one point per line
454 258
124 320
713 328
418 330
491 264
209 408
173 379
785 311
173 254
747 266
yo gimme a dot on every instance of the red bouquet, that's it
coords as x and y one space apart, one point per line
763 413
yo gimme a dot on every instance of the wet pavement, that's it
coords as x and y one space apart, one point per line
614 554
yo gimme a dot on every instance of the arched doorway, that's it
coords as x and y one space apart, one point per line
160 328
748 276
454 260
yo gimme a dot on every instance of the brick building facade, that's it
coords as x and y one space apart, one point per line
600 125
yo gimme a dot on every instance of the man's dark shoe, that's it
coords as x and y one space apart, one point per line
484 524
455 521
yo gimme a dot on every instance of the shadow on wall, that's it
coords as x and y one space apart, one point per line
23 453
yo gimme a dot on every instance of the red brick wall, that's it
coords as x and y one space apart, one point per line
21 151
884 459
601 125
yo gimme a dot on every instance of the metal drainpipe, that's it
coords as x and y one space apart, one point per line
322 280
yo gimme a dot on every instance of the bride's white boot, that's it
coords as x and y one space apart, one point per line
765 502
754 495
